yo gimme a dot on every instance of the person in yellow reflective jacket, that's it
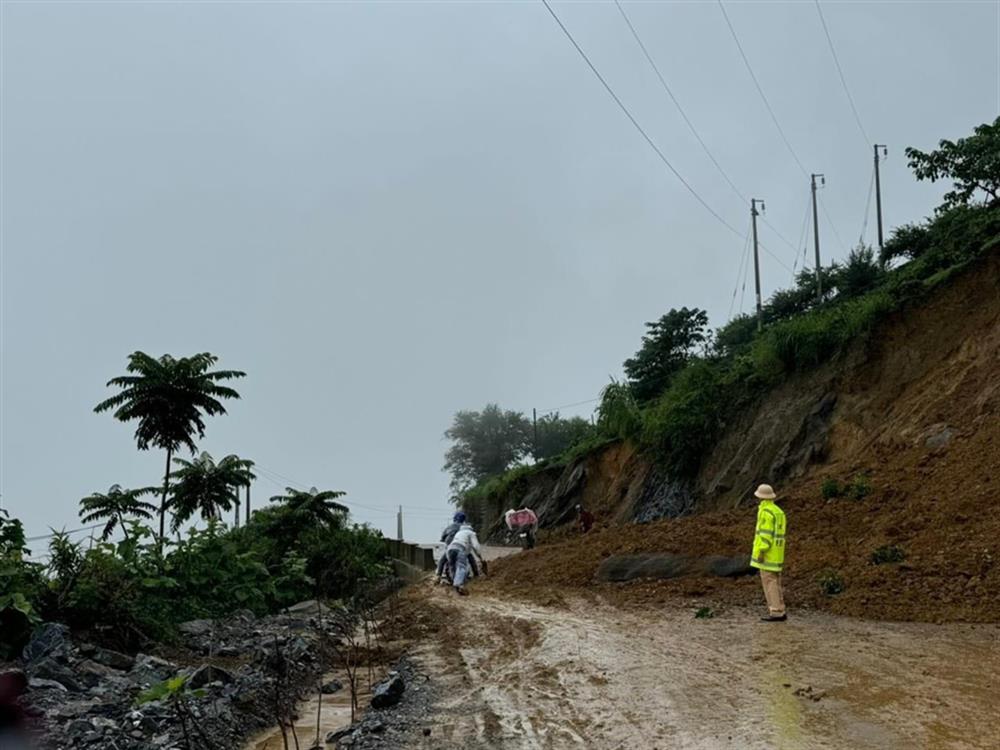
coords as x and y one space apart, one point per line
769 551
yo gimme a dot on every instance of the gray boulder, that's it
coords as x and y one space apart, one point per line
660 566
388 692
207 674
48 638
50 669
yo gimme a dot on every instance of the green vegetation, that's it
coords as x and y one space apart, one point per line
115 507
488 443
831 582
890 553
207 488
831 489
704 613
858 488
684 385
137 589
170 398
666 349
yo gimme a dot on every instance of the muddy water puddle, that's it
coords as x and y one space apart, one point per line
334 714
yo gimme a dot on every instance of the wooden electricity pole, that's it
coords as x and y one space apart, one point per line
756 260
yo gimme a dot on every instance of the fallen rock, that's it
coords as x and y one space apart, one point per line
92 674
48 638
333 686
148 670
207 674
113 659
196 627
49 669
659 566
334 737
38 683
388 692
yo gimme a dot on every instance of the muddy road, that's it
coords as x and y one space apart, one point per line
582 673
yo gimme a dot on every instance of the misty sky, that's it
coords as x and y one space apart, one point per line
388 212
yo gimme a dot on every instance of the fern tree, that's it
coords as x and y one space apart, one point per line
170 399
313 505
207 488
115 506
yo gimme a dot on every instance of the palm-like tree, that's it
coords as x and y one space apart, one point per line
170 398
115 506
206 487
313 505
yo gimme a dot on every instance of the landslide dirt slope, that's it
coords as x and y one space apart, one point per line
916 408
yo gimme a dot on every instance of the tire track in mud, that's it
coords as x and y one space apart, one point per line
523 676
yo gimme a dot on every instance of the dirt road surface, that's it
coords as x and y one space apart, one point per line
582 673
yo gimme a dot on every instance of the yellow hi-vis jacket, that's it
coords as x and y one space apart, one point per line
769 539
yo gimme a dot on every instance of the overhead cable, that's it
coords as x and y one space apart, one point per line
760 90
840 71
635 123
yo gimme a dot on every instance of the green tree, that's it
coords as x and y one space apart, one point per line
557 435
859 274
485 444
314 506
667 346
170 399
205 487
972 164
618 413
115 506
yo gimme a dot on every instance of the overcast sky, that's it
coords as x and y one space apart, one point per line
388 212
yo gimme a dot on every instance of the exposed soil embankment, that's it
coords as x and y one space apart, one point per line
915 409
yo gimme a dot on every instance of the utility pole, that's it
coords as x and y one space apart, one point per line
878 193
399 524
819 268
248 502
756 259
236 507
534 422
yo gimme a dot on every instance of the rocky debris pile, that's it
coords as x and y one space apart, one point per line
398 716
661 566
84 696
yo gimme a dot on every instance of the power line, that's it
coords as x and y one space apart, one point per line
687 120
739 274
670 93
868 208
840 71
802 242
760 90
567 406
833 227
635 122
67 533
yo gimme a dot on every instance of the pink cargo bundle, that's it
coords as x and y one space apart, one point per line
521 519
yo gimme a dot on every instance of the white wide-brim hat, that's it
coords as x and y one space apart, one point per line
765 492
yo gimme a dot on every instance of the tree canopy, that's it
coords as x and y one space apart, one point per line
556 435
666 348
170 399
484 444
971 163
116 505
207 488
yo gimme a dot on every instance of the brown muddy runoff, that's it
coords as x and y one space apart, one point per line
582 673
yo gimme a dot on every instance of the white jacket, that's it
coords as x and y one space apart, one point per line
466 540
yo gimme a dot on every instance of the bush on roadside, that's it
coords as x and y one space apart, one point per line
831 489
831 582
889 553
